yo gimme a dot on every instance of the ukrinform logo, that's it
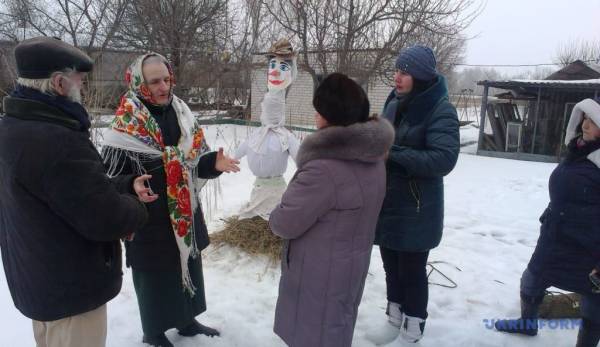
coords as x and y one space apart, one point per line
552 324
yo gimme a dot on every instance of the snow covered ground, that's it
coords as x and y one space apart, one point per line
491 226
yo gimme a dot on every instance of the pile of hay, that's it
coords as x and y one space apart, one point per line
252 235
560 305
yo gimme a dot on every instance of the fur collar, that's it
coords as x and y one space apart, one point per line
366 142
587 106
592 109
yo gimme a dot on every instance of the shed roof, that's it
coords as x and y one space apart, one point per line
532 85
577 70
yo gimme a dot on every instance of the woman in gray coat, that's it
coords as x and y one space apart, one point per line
327 218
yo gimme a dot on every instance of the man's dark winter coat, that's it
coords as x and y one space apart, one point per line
61 217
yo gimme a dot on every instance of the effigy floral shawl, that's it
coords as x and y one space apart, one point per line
135 134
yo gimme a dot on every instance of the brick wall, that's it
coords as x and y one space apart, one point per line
378 91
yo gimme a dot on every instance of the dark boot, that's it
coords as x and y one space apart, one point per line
159 340
528 323
589 334
196 328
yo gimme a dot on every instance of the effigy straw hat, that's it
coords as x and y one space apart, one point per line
282 48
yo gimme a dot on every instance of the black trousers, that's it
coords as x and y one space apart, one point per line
406 280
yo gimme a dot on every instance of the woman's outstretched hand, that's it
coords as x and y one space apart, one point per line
225 163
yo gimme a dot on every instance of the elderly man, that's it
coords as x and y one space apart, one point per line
61 217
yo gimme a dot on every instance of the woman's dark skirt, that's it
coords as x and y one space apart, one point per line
162 301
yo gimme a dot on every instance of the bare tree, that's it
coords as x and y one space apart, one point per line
188 32
577 50
254 29
251 31
89 25
535 73
7 69
467 78
9 24
360 37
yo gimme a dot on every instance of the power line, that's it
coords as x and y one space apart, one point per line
368 50
193 50
501 65
513 65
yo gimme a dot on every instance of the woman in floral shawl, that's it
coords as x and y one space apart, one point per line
154 132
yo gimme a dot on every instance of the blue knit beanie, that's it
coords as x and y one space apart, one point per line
417 61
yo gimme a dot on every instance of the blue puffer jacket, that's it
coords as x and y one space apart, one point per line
569 244
425 149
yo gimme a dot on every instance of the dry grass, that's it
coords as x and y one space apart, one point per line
252 235
558 305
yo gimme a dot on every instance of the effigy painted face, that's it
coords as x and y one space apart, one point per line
280 74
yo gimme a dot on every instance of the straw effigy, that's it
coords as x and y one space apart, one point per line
252 235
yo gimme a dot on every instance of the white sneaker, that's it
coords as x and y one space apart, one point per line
394 313
412 328
390 330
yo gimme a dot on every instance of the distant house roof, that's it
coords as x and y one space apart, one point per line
577 70
532 85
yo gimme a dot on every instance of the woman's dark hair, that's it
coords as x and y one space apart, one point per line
341 101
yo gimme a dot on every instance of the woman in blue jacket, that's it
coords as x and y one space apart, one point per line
425 149
568 249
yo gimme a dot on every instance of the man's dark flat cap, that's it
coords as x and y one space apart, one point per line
41 56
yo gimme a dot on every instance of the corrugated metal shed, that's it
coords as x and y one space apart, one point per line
575 85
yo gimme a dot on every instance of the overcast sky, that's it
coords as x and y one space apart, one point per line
529 31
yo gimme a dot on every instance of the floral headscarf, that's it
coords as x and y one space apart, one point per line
135 79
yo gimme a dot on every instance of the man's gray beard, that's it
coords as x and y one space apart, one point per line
74 94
